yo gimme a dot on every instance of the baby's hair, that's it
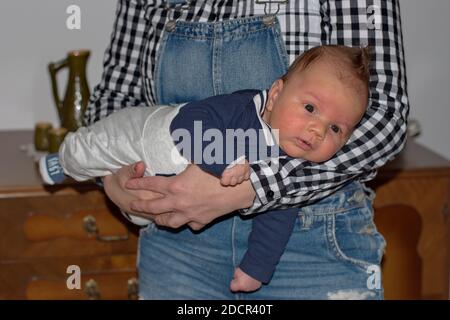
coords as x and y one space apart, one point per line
348 61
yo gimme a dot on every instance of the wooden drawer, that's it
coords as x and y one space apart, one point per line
114 275
97 286
43 234
63 225
412 213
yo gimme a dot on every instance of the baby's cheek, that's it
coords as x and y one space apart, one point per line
331 150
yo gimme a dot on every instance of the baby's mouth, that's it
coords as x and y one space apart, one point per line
304 145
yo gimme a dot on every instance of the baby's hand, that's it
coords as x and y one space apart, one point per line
243 282
236 174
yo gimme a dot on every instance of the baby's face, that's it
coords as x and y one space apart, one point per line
314 112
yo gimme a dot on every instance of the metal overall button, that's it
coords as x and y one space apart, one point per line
171 24
268 20
357 197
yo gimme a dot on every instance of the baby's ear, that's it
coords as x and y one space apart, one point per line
274 91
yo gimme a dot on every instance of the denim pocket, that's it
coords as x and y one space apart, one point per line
354 238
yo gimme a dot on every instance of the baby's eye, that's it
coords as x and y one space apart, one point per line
309 108
335 128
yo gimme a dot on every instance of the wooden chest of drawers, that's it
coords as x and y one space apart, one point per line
46 230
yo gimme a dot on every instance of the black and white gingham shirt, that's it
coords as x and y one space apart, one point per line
305 24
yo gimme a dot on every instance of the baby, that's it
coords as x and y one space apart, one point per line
309 113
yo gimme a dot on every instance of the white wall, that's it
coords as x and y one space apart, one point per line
33 33
426 35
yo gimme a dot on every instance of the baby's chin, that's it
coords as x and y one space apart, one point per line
312 155
317 157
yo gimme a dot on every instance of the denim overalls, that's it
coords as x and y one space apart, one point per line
335 249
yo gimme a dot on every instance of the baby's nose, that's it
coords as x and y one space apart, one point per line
319 130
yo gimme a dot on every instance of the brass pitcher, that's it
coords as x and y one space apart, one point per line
71 110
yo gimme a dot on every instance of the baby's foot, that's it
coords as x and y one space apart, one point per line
243 282
51 170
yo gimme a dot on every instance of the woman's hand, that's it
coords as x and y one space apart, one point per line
192 197
114 186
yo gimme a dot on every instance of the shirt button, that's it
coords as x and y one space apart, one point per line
270 194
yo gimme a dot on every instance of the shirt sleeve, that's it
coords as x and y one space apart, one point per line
381 133
200 130
121 82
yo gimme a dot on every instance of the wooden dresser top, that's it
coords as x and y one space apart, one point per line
18 171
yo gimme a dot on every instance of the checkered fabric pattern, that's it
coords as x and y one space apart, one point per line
130 61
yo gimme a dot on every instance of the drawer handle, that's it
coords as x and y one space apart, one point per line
133 289
92 290
90 226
